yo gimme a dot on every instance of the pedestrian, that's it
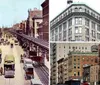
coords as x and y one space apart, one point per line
1 71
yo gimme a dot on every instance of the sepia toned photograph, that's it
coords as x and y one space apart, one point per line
24 42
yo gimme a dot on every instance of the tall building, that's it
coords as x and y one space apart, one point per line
45 24
78 22
77 60
53 63
61 67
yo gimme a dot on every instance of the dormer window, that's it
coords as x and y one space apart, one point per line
76 9
80 9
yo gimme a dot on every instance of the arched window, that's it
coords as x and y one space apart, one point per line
80 9
76 9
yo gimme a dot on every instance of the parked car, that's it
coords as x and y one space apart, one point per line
27 61
29 71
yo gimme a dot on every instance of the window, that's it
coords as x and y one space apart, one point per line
52 35
64 35
60 32
80 9
76 9
98 27
56 34
87 22
87 31
74 73
64 26
64 31
93 33
93 25
70 22
78 20
87 38
78 29
74 66
69 39
78 73
78 38
37 23
70 31
98 35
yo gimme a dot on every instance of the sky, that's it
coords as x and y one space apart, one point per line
14 11
57 6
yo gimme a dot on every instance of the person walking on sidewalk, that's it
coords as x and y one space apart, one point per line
1 71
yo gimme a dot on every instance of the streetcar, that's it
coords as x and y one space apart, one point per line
9 66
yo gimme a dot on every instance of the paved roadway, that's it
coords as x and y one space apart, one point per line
19 72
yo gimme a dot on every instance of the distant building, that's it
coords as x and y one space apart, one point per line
78 22
23 26
33 20
16 26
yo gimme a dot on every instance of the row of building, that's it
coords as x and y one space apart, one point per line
37 23
68 61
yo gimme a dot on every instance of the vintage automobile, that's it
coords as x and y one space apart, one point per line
36 82
29 71
27 61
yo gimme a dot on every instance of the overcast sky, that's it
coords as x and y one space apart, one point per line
57 6
13 11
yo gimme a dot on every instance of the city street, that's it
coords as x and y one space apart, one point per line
19 72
